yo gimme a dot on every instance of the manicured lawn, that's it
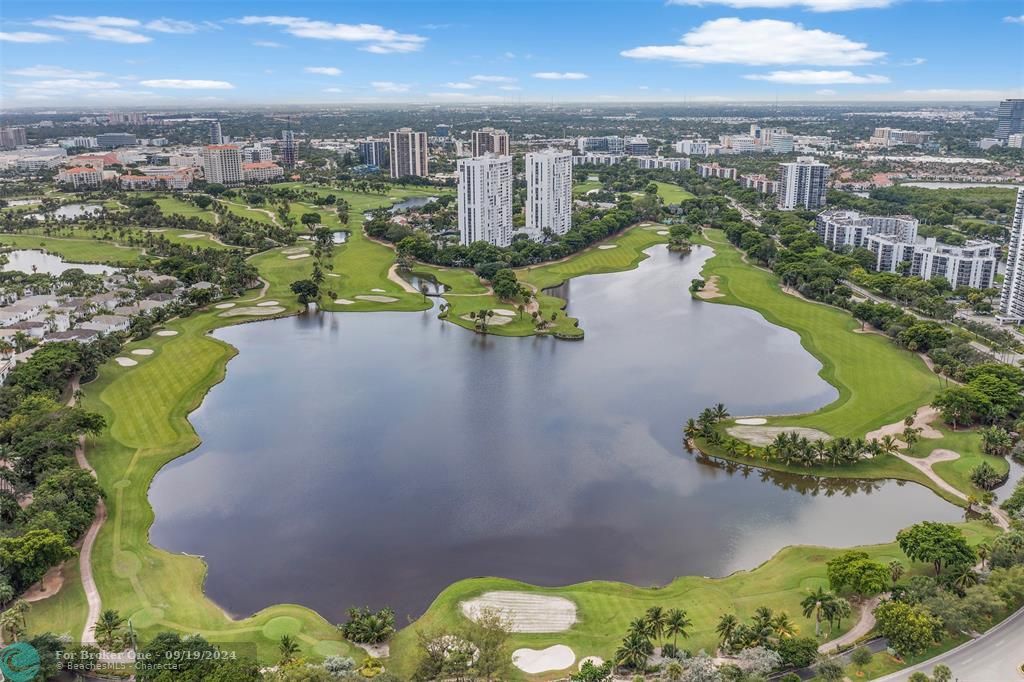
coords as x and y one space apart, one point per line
672 194
878 383
175 206
75 250
958 472
581 188
65 613
174 235
604 609
244 211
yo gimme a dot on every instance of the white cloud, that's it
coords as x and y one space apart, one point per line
381 40
509 55
266 43
186 84
758 42
916 61
492 79
165 25
28 37
389 86
560 75
323 70
460 86
333 90
810 77
73 84
112 29
827 92
1014 19
509 88
812 5
41 71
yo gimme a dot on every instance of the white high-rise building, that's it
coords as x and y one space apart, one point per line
549 191
222 164
485 200
1011 302
803 184
408 153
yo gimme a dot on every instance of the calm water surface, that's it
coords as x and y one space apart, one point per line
31 261
375 459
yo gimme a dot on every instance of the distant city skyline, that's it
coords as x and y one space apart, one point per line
698 51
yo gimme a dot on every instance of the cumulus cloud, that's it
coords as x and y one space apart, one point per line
560 75
324 70
460 86
509 88
483 78
111 29
333 90
759 42
266 43
380 40
389 86
812 5
187 84
28 37
165 25
810 77
1014 20
42 71
916 61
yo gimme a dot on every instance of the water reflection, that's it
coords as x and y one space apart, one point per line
68 212
31 261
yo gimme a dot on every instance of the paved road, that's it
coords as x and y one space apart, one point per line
993 657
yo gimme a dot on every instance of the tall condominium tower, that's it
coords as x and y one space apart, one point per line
489 140
373 152
1011 302
222 164
215 135
1010 118
408 153
289 150
549 191
802 184
485 199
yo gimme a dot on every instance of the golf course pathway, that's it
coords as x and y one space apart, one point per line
924 465
92 594
862 627
397 279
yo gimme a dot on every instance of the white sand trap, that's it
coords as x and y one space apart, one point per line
142 351
752 421
557 657
156 230
267 304
252 311
504 312
305 237
377 299
662 232
381 291
605 247
167 332
126 362
298 256
343 301
526 612
192 235
333 274
596 660
764 435
495 321
224 306
295 249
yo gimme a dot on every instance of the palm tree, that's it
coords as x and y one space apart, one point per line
674 670
888 445
783 626
965 577
726 628
720 412
677 624
655 620
108 626
896 571
813 605
691 430
983 550
288 648
634 650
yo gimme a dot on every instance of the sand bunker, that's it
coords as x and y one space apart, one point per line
295 249
923 419
333 274
377 299
237 312
192 235
494 321
526 612
605 247
142 351
381 291
343 301
662 232
752 421
167 332
532 661
125 362
298 256
710 289
504 311
764 435
224 306
267 304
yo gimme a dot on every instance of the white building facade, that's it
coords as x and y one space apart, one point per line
485 200
408 153
222 164
803 184
549 191
1011 302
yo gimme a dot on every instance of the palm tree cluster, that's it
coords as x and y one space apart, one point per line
825 606
996 440
655 625
366 627
765 629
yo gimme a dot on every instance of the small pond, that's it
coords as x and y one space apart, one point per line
32 261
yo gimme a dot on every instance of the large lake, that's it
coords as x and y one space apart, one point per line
373 459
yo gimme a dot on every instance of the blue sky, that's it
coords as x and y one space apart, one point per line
450 51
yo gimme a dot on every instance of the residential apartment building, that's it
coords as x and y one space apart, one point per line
257 153
80 176
490 141
693 147
485 199
637 146
111 140
894 137
13 137
713 170
597 159
1011 301
79 142
672 163
760 183
373 152
408 153
215 134
803 184
262 171
841 228
222 164
289 149
1010 118
612 144
548 191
